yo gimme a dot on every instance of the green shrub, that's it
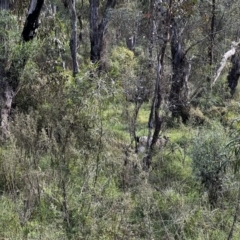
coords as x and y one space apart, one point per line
10 227
210 158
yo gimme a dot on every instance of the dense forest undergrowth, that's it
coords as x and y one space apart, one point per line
117 121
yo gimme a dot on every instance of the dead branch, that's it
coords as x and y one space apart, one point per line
223 62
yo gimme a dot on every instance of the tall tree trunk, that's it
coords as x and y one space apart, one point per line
9 79
31 23
4 4
178 104
151 33
212 33
155 121
97 28
74 39
234 73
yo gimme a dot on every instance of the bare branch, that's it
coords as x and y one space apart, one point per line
223 62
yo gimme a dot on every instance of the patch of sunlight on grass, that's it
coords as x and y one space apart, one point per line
113 110
112 121
177 134
143 115
180 134
142 120
119 129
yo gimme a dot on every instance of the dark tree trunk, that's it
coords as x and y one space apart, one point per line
4 4
65 3
212 33
178 104
74 39
157 102
31 23
9 79
234 73
155 120
97 28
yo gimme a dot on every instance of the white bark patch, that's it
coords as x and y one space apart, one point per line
223 62
32 6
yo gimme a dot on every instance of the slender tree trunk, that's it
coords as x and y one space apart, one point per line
151 33
65 205
97 28
212 33
155 121
74 39
94 38
158 99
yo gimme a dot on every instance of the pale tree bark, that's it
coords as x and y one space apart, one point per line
98 28
9 79
223 62
74 38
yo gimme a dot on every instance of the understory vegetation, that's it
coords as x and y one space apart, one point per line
70 164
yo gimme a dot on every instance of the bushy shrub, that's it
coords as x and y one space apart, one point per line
210 158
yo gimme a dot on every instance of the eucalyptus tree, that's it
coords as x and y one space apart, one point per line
179 99
179 102
160 37
217 31
98 26
169 22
